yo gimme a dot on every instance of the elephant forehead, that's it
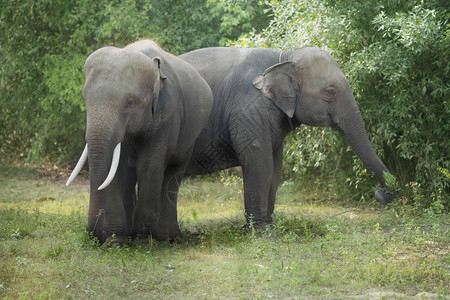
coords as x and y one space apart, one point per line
315 61
115 86
119 65
120 71
322 65
131 75
323 71
119 77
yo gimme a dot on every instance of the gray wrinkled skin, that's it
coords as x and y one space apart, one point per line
258 95
155 105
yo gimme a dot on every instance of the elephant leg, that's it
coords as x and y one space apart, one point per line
168 227
257 173
147 209
130 195
250 140
150 174
276 179
156 214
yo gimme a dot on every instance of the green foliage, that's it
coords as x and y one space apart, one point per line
404 77
43 47
395 55
390 180
310 148
193 24
44 44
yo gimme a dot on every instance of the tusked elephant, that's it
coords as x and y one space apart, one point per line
259 96
145 108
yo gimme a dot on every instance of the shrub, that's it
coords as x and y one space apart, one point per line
395 55
44 44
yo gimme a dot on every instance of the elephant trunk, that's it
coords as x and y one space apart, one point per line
352 126
104 156
99 162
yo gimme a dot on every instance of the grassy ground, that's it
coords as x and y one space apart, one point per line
317 248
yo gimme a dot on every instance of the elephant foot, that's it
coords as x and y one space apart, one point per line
173 235
116 241
142 240
385 197
167 234
145 241
257 226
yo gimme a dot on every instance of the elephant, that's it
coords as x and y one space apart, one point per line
145 108
260 95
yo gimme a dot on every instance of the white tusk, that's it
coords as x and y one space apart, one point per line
79 165
112 171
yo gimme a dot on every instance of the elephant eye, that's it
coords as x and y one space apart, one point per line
331 91
330 94
130 103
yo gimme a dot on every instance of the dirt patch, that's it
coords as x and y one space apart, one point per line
57 173
376 294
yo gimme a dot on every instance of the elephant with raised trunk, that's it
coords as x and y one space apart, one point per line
259 96
145 108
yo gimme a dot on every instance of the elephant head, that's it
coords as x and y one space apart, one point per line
311 89
121 93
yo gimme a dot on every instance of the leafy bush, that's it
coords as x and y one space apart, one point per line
192 24
44 44
395 55
43 48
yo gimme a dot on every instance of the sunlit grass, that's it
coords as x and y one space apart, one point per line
203 199
318 247
23 188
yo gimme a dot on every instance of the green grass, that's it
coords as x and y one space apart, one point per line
319 247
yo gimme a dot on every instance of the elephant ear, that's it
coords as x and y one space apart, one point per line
160 77
279 84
